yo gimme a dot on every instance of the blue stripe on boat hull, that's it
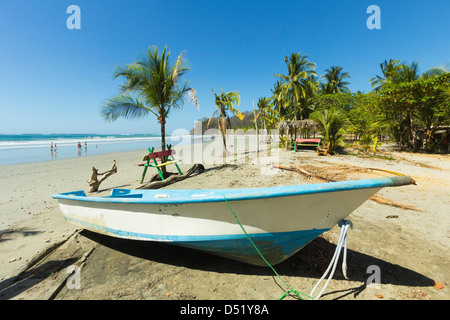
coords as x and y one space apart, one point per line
275 247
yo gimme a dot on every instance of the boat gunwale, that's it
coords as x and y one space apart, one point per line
182 196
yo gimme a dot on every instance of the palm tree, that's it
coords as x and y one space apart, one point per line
335 81
151 85
408 73
390 70
311 86
224 102
272 117
332 123
298 68
279 100
435 71
263 108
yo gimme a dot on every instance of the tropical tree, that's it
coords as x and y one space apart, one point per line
342 101
332 123
152 86
264 106
268 114
390 70
410 105
272 118
280 101
224 103
412 102
365 116
311 87
436 71
335 81
408 73
298 69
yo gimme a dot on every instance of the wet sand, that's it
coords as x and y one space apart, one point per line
410 247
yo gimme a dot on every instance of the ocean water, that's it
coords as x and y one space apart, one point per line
26 148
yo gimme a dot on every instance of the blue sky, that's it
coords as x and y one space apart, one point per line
54 80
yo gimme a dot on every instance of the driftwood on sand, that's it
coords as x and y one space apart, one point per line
325 178
172 178
94 182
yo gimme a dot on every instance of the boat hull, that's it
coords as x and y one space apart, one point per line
280 221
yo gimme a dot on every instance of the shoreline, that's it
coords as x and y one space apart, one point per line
416 241
29 152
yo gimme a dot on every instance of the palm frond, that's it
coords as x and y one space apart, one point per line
209 121
124 106
193 97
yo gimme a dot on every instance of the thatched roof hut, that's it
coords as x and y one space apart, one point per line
304 124
290 125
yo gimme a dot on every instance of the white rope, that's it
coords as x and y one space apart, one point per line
344 224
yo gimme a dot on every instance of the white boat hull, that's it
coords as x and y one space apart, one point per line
280 221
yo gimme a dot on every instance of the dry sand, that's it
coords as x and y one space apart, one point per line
410 247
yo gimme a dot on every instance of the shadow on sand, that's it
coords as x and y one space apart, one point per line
8 234
11 287
310 262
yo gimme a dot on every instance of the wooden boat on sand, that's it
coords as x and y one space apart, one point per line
279 220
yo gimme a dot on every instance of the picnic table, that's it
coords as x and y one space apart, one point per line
306 143
164 157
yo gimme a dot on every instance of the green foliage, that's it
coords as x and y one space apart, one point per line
332 124
339 101
403 103
284 142
419 103
335 81
369 141
365 116
389 70
225 102
152 86
297 83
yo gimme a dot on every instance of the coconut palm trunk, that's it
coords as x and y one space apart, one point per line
223 123
162 123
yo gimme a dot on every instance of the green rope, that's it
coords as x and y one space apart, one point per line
248 237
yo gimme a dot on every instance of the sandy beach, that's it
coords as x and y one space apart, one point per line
409 244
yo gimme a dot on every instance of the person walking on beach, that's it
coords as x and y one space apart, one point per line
51 147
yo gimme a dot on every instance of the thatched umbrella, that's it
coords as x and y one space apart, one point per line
285 127
291 126
304 124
